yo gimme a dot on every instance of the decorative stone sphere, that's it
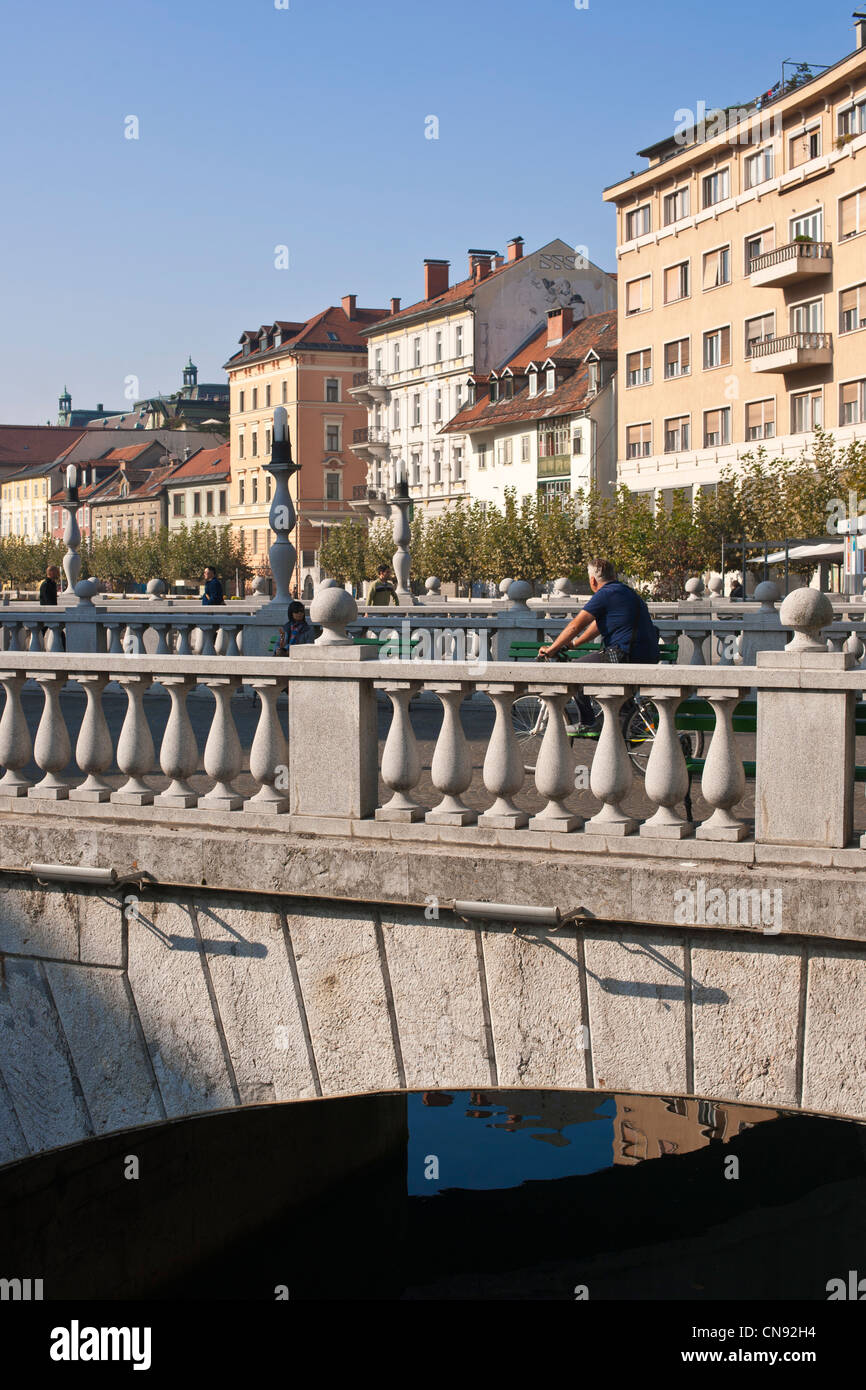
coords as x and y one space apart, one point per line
332 610
694 588
563 586
432 585
768 593
260 584
156 588
716 584
504 586
86 588
806 611
519 590
327 584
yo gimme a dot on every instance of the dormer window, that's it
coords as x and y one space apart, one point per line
533 382
508 384
593 376
470 393
550 380
278 340
494 391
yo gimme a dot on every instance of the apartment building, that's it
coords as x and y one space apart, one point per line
94 475
420 358
741 263
198 491
545 423
309 368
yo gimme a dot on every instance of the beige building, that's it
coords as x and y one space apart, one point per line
742 282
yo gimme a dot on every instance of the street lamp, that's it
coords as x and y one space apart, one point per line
283 554
71 532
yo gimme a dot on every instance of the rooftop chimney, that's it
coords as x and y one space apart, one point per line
395 306
99 407
860 28
480 263
559 324
435 278
515 248
349 301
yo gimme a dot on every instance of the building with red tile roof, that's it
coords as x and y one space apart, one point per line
199 489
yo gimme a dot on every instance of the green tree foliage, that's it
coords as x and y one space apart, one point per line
126 560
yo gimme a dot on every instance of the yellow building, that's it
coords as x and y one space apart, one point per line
24 501
742 282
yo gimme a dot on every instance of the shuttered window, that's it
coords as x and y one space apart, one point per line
638 441
852 403
717 268
717 427
638 368
852 214
761 419
637 295
676 282
717 348
677 358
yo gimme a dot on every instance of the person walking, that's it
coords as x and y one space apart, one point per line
381 591
297 632
618 616
48 587
213 589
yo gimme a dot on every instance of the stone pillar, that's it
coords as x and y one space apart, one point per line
516 623
762 631
334 750
805 743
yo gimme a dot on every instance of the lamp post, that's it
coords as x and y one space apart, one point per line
71 532
400 503
283 554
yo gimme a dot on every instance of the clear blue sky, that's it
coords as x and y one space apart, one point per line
305 127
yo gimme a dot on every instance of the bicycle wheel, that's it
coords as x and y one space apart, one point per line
529 720
640 730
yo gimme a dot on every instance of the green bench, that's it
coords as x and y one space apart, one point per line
528 651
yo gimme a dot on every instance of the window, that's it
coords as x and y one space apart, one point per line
758 244
268 482
577 444
758 330
241 405
224 505
416 352
458 340
395 413
717 427
208 503
853 121
242 490
437 355
196 504
717 268
852 214
141 526
481 455
268 441
507 387
638 367
677 433
676 282
284 394
554 439
852 309
255 488
638 222
852 403
638 295
254 443
717 348
638 441
332 487
437 465
807 412
804 146
396 357
267 395
676 205
179 504
255 404
458 397
761 419
715 187
757 168
533 382
810 227
416 409
332 389
99 528
108 529
524 448
332 337
550 380
416 469
458 464
437 404
332 439
377 361
255 541
808 317
153 525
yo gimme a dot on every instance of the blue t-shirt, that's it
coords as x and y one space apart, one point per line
618 611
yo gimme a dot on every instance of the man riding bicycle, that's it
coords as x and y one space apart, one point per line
617 615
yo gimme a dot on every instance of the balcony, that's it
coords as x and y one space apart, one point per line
792 353
787 264
370 439
369 388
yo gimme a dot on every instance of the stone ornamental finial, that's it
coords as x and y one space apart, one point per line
504 586
806 611
155 589
260 585
715 584
327 584
694 589
432 584
519 590
85 590
768 594
563 586
333 610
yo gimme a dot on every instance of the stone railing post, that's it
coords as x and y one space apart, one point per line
401 761
269 755
611 775
503 770
724 780
805 742
178 752
52 750
762 631
451 769
554 770
223 757
135 752
93 751
15 744
667 780
333 763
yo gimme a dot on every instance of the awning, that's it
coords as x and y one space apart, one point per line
825 550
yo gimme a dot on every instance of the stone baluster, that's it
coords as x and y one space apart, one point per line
207 640
724 779
451 770
667 780
401 761
34 638
854 646
11 631
503 765
554 770
163 634
178 753
222 753
726 644
183 643
135 753
115 646
269 755
134 645
611 776
93 751
697 639
15 744
230 631
51 750
54 637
